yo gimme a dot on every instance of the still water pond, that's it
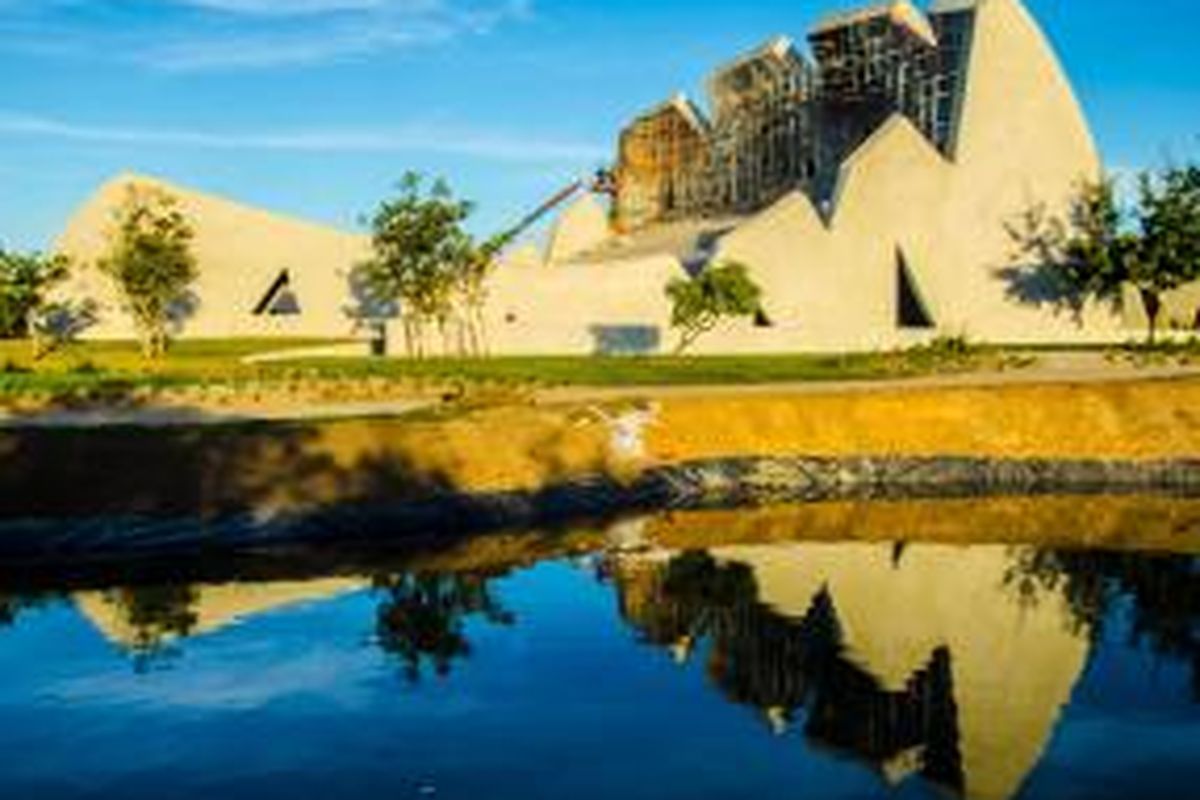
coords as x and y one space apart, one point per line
629 668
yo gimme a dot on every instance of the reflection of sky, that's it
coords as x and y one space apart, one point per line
1133 726
1127 677
566 703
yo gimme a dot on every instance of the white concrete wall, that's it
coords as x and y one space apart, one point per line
581 227
582 309
829 280
831 283
240 252
1023 141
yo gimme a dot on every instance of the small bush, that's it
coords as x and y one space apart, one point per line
1161 353
942 353
11 367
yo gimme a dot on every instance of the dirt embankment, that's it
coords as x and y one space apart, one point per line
1109 421
297 465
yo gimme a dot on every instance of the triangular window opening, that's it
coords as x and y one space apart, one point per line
911 311
280 300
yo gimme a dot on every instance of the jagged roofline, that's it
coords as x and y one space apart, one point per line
779 48
130 178
901 12
681 104
848 168
828 213
782 47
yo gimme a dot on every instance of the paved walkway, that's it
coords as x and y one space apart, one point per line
1051 368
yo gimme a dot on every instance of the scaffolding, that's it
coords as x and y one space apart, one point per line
763 132
781 124
661 164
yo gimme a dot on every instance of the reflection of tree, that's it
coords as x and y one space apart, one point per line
1163 592
156 615
13 605
795 668
422 618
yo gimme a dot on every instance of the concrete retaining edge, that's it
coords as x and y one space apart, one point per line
722 483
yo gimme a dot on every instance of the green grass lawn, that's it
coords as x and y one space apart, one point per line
608 371
87 366
96 367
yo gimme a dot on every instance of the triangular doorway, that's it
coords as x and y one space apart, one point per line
280 300
911 310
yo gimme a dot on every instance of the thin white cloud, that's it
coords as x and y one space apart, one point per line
285 8
208 35
410 139
249 51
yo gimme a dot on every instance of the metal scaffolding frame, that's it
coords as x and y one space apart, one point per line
781 124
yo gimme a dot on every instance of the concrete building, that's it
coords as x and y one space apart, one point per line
782 123
872 198
260 274
870 191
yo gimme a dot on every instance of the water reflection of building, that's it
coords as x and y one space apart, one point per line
420 617
138 618
923 660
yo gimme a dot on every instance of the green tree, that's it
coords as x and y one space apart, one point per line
26 282
472 274
1166 250
419 254
1101 248
150 260
722 291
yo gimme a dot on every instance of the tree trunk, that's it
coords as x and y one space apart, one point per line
481 344
1153 304
686 340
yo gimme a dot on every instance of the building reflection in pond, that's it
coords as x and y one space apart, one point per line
420 617
922 661
948 664
796 666
147 620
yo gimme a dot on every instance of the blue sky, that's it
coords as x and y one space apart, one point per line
315 107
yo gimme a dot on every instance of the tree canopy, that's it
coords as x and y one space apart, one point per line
721 291
26 282
424 261
150 260
1102 246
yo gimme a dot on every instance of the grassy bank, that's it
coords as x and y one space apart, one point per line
110 372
